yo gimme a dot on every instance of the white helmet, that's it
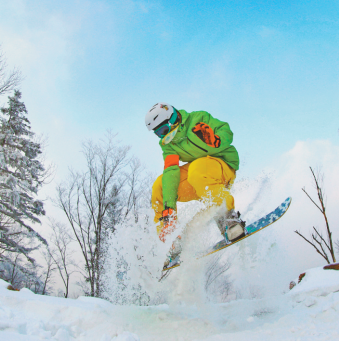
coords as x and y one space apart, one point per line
159 113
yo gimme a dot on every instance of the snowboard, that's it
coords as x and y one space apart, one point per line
251 229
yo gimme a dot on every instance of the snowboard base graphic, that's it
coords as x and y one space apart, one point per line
255 227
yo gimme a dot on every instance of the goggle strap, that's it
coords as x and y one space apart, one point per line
173 117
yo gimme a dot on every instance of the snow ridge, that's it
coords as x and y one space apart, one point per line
308 312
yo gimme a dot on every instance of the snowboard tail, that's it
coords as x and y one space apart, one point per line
251 229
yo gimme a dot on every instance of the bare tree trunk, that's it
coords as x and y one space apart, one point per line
49 271
13 275
61 253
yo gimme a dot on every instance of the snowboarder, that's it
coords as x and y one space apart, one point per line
204 143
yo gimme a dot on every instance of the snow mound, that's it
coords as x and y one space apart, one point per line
3 284
317 282
307 312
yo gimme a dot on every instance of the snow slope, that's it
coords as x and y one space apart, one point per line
308 312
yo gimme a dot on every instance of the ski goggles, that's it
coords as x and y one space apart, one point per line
162 130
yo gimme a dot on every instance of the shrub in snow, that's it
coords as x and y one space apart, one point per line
332 267
10 287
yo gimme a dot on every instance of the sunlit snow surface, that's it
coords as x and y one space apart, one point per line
307 312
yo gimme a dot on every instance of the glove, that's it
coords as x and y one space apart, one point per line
206 134
168 220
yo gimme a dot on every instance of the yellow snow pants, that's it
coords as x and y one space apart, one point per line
206 178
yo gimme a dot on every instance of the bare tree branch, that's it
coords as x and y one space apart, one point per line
8 80
215 276
88 201
321 237
320 253
50 268
321 246
61 253
303 189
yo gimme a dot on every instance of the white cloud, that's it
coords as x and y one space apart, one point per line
41 44
275 256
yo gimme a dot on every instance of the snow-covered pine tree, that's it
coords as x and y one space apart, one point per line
21 175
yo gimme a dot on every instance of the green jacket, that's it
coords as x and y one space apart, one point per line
190 147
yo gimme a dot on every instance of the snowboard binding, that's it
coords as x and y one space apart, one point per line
173 255
235 232
231 226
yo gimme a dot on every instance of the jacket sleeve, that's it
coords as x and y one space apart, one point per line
221 146
223 130
171 177
220 128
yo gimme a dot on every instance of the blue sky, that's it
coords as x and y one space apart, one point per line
270 69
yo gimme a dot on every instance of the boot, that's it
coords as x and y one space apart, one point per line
231 226
174 253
